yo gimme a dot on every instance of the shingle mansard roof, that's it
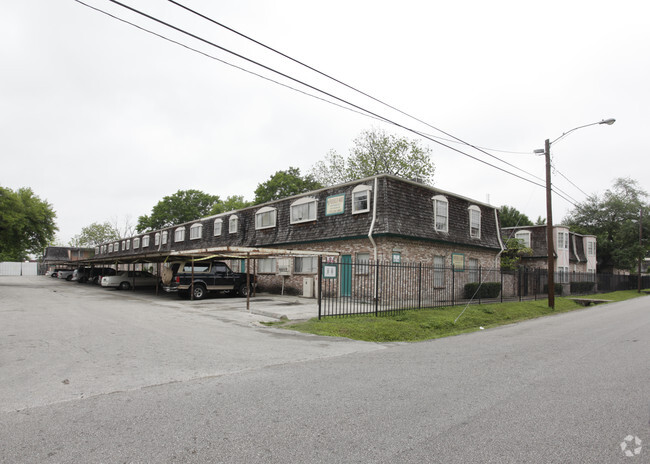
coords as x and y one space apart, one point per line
403 209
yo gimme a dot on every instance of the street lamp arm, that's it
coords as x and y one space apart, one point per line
609 122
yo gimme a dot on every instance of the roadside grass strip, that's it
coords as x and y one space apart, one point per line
431 323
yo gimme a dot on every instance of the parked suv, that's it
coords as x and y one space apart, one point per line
209 276
91 274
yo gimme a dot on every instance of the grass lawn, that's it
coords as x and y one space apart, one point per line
426 324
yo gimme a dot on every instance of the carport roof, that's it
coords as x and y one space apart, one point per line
222 252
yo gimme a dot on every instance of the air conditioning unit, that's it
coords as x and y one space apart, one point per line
308 287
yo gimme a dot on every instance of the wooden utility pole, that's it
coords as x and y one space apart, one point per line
549 228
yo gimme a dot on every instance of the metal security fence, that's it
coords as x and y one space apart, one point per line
384 288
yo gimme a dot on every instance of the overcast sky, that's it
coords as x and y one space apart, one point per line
103 120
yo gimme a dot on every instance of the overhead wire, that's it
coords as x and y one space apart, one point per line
311 68
385 119
359 109
207 55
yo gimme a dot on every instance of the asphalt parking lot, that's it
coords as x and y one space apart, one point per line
61 341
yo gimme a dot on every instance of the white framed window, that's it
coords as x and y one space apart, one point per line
179 234
116 247
136 243
472 268
441 213
438 271
266 266
563 274
305 265
145 241
96 250
156 239
124 245
233 224
303 210
591 248
110 248
128 244
265 218
562 240
362 263
164 237
524 237
196 231
474 221
218 226
361 199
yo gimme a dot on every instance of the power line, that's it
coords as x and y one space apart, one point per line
338 81
385 119
207 55
569 180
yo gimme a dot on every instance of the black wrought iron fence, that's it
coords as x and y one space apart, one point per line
383 288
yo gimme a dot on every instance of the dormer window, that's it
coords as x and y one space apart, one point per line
474 221
361 199
233 224
303 210
265 218
218 226
524 237
196 231
441 213
179 234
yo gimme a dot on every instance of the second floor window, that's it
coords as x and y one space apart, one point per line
303 210
179 234
474 222
196 231
265 218
441 213
233 224
524 238
218 225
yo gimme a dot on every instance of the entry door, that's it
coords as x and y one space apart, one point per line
346 275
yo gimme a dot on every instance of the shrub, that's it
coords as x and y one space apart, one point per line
486 290
559 289
582 287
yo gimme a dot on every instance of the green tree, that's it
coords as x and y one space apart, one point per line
232 203
27 224
283 184
614 219
183 206
375 152
95 234
511 217
511 256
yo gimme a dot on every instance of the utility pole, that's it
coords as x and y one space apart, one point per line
549 228
640 246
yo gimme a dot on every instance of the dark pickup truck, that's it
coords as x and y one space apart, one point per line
209 276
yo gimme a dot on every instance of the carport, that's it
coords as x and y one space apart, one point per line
218 253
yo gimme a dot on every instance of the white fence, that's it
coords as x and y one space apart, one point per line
18 269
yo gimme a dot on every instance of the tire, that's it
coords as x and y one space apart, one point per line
199 292
69 278
124 286
243 290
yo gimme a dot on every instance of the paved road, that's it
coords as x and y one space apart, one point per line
566 389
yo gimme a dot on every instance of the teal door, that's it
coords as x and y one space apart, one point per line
346 275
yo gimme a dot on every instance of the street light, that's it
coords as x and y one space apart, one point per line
549 210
